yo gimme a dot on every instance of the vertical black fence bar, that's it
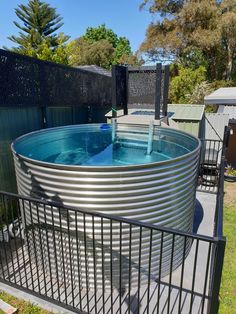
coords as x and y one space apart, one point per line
2 224
41 246
160 273
55 250
86 262
103 270
120 281
217 274
21 235
70 258
2 270
15 221
149 270
171 271
194 275
78 254
111 267
165 89
182 275
158 91
94 266
206 276
48 251
34 245
130 269
6 210
27 240
62 254
139 267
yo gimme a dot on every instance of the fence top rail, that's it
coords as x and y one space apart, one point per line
119 219
145 68
210 140
45 62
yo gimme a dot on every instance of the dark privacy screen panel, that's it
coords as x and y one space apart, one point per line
26 81
148 84
142 85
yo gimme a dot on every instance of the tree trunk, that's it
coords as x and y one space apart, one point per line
229 66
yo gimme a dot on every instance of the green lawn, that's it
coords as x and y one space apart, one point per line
228 285
23 306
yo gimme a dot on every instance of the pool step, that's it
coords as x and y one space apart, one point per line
131 144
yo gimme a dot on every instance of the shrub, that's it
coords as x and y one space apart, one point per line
183 85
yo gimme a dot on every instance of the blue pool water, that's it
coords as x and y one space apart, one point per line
94 147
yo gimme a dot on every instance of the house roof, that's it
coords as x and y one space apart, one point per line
175 112
221 96
229 110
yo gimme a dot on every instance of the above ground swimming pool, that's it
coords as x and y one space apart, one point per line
94 146
142 173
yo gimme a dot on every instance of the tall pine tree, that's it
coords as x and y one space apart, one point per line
39 25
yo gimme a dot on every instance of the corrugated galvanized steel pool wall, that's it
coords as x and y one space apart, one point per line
161 193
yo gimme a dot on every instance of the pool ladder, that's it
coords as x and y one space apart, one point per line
114 130
150 135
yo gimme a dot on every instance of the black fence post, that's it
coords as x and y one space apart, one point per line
114 91
119 89
216 276
226 139
125 105
158 91
166 89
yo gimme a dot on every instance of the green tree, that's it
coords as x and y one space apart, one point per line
59 54
94 34
83 52
207 27
102 47
38 29
184 83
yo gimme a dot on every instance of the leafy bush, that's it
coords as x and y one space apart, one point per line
183 85
189 85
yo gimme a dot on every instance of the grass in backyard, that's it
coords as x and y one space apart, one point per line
228 284
23 306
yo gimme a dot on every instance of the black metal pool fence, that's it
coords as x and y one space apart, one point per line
52 251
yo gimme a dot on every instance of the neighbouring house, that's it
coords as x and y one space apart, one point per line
225 99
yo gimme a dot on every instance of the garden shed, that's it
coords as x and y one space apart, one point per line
188 117
185 117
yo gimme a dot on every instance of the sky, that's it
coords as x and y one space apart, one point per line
122 16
